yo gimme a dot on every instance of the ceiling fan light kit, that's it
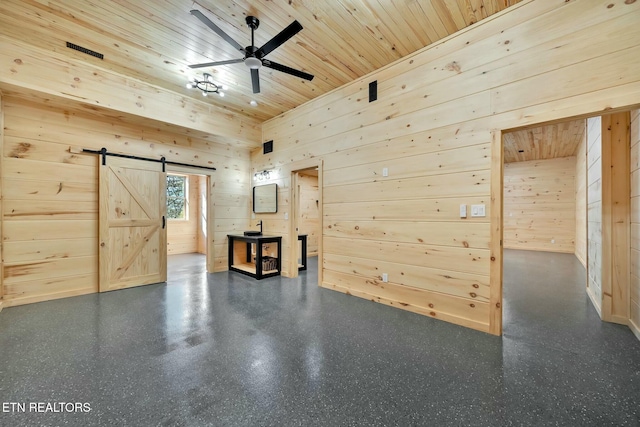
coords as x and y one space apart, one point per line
254 57
253 63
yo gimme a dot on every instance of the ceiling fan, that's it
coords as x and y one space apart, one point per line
254 57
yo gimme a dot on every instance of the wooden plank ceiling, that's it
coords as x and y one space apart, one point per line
544 142
155 40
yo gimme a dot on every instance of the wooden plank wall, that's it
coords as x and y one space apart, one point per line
615 217
309 222
581 200
273 223
50 219
540 205
594 211
183 236
21 65
634 317
608 215
202 218
432 128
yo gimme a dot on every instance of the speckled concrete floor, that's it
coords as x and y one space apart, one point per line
226 350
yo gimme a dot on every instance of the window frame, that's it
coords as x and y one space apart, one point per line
186 197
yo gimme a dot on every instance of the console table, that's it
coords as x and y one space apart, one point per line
243 258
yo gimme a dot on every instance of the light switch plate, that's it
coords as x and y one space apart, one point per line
463 211
385 171
478 211
286 215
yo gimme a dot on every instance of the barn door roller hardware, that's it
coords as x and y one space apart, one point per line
104 153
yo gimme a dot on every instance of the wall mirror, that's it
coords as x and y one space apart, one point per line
265 198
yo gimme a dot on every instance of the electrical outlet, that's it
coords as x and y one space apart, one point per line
385 171
463 211
385 277
286 216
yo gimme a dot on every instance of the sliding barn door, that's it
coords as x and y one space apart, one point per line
133 238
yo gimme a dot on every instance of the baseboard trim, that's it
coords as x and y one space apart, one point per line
594 301
619 320
428 312
48 297
635 329
538 249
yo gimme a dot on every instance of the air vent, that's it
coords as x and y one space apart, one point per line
373 91
85 50
267 147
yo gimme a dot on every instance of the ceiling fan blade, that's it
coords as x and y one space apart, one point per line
255 80
213 64
288 70
206 21
280 38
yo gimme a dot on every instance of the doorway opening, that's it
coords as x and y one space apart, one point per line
567 226
186 224
305 252
308 219
544 228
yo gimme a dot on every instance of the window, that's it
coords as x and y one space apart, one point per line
177 197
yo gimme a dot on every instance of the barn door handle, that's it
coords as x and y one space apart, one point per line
164 222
